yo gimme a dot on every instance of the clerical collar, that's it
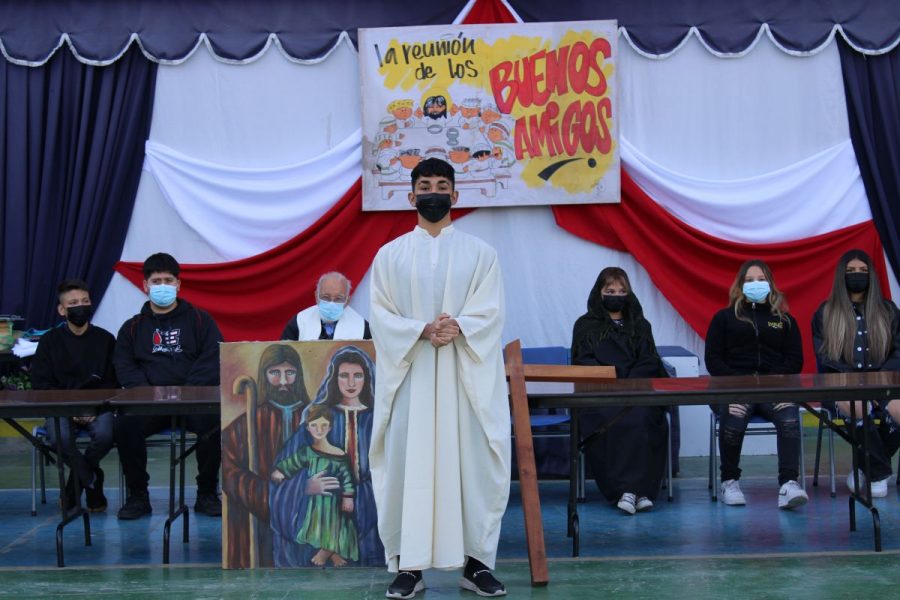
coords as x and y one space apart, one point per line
422 231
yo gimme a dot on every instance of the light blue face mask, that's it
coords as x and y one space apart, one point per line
163 294
756 291
330 311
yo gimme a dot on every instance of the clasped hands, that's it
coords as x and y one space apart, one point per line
441 331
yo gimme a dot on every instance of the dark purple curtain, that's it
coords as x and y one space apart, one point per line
238 29
872 87
70 161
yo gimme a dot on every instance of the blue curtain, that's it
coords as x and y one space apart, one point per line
872 87
71 150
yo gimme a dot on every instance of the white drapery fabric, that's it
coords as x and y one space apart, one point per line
819 194
242 212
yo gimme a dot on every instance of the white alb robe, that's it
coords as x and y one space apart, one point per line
440 453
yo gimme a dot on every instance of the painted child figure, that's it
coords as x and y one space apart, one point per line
328 523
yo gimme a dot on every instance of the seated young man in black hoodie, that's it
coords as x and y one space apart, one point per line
170 342
78 356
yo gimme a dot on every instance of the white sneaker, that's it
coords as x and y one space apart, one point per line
732 494
643 503
626 503
879 488
791 495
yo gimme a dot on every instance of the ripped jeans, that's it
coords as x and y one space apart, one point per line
733 420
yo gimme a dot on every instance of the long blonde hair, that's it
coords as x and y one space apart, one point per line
776 299
839 320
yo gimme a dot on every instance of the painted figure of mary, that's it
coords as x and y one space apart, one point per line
349 390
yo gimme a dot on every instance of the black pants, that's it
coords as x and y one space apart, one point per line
883 440
132 431
785 417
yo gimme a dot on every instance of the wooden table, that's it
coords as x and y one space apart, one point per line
62 404
802 389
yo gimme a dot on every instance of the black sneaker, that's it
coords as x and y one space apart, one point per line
136 506
478 578
406 584
93 496
208 504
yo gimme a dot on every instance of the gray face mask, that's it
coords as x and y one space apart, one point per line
433 207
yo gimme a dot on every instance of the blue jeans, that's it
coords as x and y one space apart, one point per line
85 465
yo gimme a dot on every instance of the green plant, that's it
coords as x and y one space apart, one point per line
16 381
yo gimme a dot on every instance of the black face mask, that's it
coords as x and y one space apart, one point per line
856 282
433 207
613 304
79 315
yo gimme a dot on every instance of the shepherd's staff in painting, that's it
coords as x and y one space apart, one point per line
247 386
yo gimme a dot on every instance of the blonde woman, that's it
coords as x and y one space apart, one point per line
755 335
857 329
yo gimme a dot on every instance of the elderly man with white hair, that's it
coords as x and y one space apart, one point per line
330 318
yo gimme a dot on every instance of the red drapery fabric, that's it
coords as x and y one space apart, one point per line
694 270
252 298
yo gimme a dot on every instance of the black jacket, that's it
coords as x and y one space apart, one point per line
825 365
65 361
597 340
767 345
176 348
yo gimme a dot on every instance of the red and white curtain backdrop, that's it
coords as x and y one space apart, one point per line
251 170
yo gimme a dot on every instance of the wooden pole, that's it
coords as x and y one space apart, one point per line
531 502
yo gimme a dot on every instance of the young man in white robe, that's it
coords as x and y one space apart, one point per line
440 454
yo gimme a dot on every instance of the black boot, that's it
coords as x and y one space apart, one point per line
136 506
93 495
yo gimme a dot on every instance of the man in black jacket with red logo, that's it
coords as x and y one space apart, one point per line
170 342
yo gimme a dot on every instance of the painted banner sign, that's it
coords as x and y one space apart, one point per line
525 113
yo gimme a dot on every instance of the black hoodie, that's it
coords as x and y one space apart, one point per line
180 347
629 347
766 345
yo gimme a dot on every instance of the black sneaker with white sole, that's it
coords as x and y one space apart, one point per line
482 582
406 585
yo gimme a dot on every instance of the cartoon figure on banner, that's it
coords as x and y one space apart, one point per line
388 164
489 114
459 158
402 111
390 129
501 147
328 523
275 403
435 109
347 391
481 161
469 114
409 158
